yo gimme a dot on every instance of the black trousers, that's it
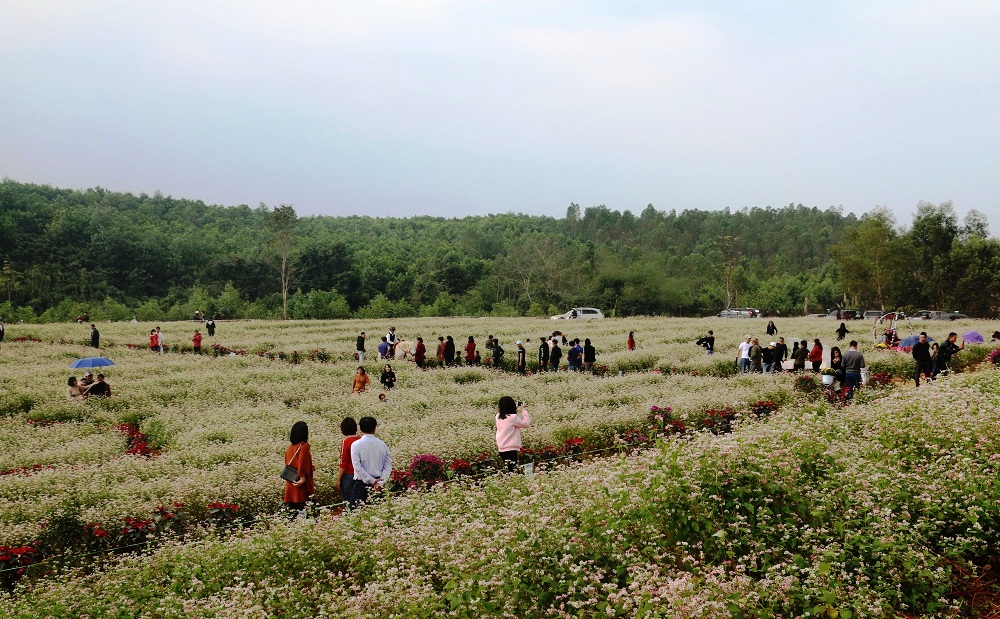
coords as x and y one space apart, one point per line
510 459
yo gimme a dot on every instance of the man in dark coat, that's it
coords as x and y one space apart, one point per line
95 336
922 359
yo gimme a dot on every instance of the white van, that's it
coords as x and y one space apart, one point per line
580 312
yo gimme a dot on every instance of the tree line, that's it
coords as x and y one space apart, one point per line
153 257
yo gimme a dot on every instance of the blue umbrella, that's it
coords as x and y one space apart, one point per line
973 337
91 362
913 339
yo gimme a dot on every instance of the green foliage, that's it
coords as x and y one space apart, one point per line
116 255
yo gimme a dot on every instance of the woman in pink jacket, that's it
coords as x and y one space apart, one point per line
509 425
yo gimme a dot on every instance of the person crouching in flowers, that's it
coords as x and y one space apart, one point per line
361 381
509 425
388 378
298 455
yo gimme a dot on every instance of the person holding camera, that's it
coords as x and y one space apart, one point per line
708 341
509 424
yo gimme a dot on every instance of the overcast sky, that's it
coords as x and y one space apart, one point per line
465 107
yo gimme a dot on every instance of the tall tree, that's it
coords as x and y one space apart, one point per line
281 222
870 259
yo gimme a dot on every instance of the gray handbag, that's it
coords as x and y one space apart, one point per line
289 472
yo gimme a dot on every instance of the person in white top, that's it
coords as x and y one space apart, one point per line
743 359
509 425
371 460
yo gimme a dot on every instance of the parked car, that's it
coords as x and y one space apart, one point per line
950 316
739 312
873 314
845 314
938 315
580 313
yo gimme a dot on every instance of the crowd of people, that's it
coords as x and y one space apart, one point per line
365 462
87 387
580 356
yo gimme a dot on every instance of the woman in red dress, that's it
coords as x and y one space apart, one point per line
298 455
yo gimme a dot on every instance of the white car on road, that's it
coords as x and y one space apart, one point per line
580 312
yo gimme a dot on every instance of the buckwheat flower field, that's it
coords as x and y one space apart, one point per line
871 509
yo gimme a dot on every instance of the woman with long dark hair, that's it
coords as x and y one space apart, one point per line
449 351
470 351
816 355
509 425
388 378
298 455
837 363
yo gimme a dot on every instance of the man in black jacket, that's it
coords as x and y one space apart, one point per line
922 359
948 350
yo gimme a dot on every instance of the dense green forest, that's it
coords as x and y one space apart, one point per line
119 256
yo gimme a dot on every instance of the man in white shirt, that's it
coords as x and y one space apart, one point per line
372 462
743 359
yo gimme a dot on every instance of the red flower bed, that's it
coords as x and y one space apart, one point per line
138 443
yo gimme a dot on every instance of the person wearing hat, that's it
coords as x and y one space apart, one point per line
522 358
743 356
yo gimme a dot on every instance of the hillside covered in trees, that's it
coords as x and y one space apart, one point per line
119 255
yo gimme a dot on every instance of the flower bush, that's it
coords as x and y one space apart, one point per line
880 379
427 469
994 356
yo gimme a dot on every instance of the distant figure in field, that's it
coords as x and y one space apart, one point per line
470 351
799 355
73 390
771 329
837 364
589 355
449 351
780 354
543 354
383 349
555 356
923 366
842 331
439 354
153 341
210 327
522 358
196 341
816 355
497 353
743 354
420 353
392 339
361 381
360 348
100 389
630 342
95 336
